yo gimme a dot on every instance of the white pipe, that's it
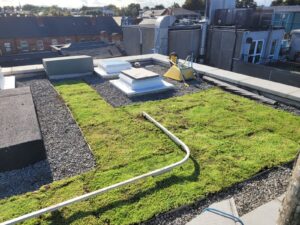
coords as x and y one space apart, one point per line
203 41
141 40
114 186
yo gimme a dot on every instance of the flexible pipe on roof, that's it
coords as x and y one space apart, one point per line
157 172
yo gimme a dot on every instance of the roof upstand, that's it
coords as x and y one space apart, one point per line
134 82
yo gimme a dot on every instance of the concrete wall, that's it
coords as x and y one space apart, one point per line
219 4
220 47
267 73
185 42
69 65
131 39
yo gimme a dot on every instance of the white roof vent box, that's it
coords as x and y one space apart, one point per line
139 81
110 69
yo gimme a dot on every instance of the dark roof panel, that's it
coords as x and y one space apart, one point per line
26 27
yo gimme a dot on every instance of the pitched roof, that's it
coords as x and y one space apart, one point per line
182 12
153 12
285 8
170 11
27 27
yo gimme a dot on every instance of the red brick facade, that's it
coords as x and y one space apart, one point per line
43 44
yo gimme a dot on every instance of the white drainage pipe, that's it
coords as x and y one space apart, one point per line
114 186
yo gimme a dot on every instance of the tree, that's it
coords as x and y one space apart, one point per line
175 5
290 213
161 6
194 4
114 8
133 10
29 7
285 2
146 8
246 4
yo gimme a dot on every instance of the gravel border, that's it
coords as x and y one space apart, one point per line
287 108
117 98
67 152
24 180
248 195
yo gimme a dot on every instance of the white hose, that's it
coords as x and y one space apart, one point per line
114 186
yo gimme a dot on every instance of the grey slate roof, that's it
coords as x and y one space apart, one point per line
182 12
27 27
153 12
287 8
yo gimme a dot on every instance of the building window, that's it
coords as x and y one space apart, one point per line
255 51
273 48
7 47
24 46
68 40
54 42
40 45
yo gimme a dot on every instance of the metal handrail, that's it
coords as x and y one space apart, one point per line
157 172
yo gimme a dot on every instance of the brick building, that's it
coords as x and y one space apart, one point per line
30 34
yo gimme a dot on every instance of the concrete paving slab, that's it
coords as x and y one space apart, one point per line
139 73
294 95
16 70
227 75
208 218
275 88
266 214
21 142
203 69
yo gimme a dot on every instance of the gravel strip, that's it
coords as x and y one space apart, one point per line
288 108
247 195
24 180
117 98
67 152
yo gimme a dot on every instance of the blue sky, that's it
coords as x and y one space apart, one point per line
120 3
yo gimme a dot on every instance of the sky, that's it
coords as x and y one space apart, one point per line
119 3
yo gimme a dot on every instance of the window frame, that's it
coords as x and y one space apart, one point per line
68 40
54 41
40 45
7 45
255 54
272 48
24 46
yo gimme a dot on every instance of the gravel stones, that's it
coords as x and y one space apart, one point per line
248 195
24 180
117 98
67 152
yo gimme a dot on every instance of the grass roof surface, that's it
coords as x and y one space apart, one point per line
231 138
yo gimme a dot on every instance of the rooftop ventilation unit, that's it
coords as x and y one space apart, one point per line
140 81
68 67
111 69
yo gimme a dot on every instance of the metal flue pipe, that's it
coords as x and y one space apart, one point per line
157 172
